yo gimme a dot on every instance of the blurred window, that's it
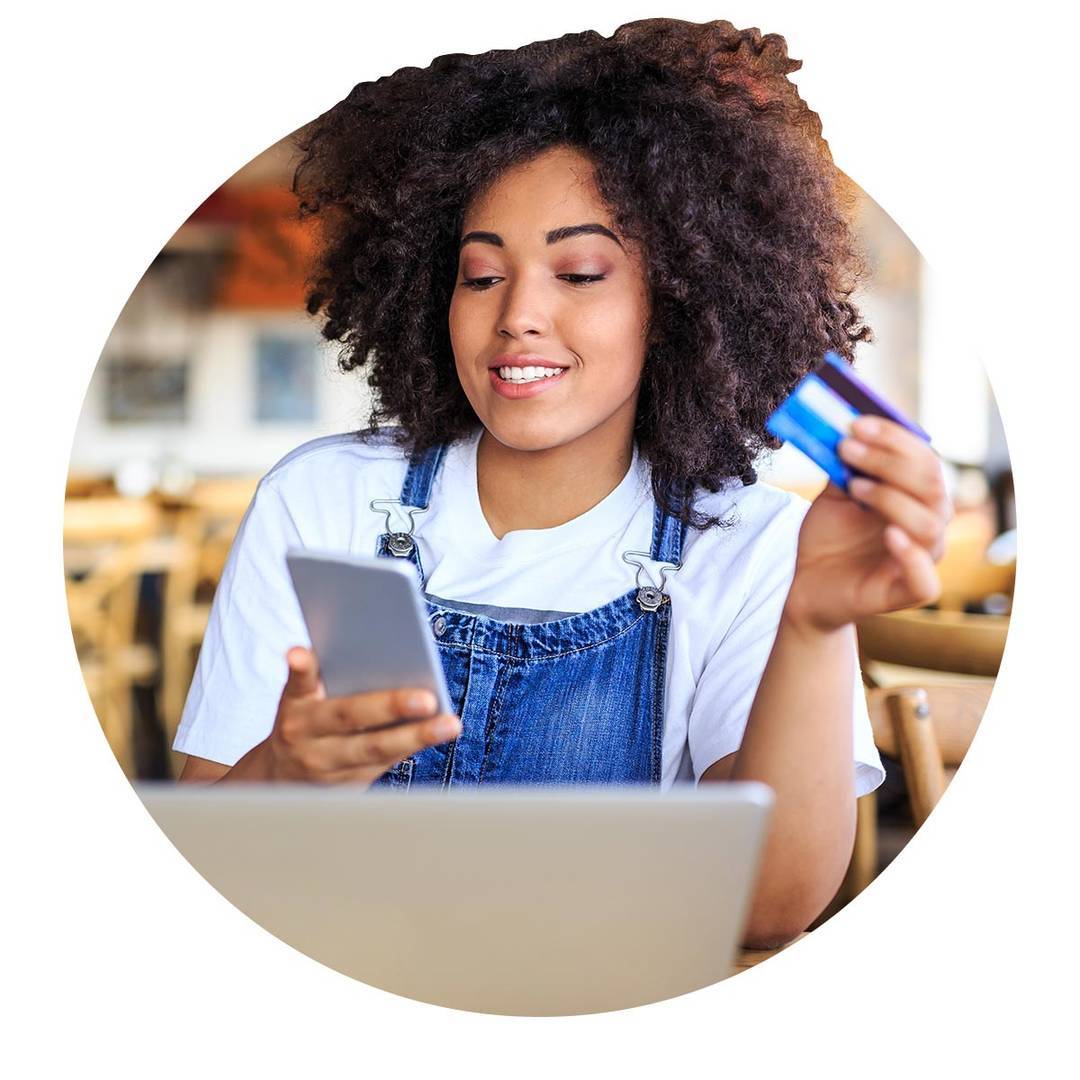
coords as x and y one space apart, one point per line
284 378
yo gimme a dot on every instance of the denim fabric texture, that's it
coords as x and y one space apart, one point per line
576 700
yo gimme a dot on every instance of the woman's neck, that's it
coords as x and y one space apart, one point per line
540 489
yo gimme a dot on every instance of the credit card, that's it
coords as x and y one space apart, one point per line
820 410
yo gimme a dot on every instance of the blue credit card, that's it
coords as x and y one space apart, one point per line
820 410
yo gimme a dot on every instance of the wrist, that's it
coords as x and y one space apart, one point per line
804 617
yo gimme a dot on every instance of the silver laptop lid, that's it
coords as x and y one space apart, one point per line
520 901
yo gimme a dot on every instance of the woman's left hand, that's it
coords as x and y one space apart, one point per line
875 550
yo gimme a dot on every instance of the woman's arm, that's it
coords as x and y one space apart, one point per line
859 555
799 741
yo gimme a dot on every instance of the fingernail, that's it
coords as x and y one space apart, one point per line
859 485
420 703
854 448
867 425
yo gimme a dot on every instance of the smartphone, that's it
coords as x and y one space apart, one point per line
368 623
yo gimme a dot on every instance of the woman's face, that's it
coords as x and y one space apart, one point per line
549 316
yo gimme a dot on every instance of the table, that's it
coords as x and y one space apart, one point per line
748 958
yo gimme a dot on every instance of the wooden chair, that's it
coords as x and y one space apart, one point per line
102 607
926 712
93 526
109 546
104 556
928 729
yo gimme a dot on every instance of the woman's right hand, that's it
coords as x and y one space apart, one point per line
351 739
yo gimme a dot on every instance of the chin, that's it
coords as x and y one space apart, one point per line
531 434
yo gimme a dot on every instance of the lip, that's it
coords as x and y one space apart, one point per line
524 390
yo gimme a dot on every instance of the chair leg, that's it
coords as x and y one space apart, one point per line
116 717
864 857
172 690
924 771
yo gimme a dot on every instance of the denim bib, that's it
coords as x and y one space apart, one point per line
574 700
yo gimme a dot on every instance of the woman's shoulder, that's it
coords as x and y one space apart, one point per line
353 453
758 523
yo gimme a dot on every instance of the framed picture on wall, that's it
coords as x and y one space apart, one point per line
140 390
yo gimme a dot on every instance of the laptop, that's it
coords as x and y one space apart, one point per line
521 901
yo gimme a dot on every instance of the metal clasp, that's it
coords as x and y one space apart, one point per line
398 543
651 596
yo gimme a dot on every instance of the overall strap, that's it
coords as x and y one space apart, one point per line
668 536
416 490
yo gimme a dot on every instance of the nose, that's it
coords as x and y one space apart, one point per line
524 310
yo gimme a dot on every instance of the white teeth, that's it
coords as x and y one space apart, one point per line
527 374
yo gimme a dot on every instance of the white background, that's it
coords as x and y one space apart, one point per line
118 958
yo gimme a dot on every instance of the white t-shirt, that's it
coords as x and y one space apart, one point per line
726 600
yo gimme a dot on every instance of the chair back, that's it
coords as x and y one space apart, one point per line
935 640
109 519
109 544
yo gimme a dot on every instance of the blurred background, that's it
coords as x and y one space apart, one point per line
213 372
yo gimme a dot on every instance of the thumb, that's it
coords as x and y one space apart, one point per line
303 680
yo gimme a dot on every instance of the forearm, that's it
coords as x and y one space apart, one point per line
251 767
798 740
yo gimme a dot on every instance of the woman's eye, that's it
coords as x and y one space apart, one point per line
480 283
582 279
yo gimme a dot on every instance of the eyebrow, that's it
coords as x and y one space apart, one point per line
552 237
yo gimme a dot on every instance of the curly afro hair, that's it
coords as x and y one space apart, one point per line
706 156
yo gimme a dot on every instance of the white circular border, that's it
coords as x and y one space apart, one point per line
120 121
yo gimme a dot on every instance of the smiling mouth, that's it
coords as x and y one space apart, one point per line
527 381
527 374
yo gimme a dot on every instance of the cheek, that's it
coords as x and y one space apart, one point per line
614 330
454 320
462 329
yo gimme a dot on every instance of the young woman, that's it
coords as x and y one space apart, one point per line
581 274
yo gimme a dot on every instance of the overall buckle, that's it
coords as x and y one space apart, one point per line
651 596
399 543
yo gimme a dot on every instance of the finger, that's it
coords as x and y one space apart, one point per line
888 434
919 584
917 472
371 711
303 679
384 748
886 451
919 521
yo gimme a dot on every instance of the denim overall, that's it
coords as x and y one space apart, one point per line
577 700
